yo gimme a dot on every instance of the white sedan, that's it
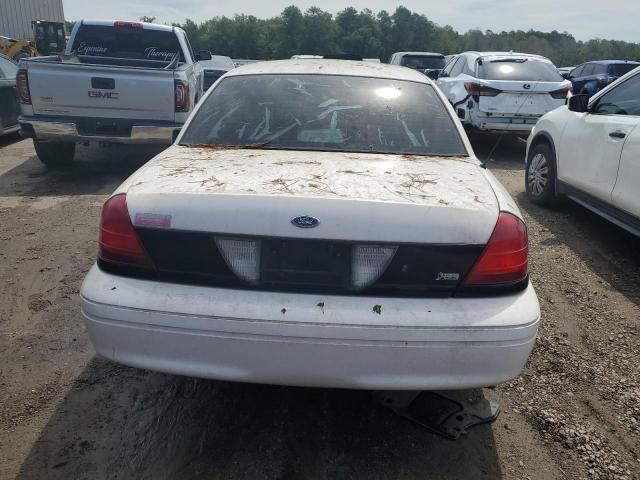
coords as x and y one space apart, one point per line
320 223
590 152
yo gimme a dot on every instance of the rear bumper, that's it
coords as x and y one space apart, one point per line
501 123
507 127
288 339
66 130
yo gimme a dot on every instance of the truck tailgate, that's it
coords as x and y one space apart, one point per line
81 90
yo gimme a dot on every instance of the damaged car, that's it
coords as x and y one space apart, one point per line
321 223
502 92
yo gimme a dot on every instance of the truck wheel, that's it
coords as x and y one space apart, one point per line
55 154
540 175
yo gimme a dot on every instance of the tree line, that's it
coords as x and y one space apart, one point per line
377 35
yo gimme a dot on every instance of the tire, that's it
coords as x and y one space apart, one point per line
540 175
55 154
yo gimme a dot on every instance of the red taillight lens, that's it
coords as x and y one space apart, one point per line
182 96
121 24
476 90
561 94
22 84
119 242
504 260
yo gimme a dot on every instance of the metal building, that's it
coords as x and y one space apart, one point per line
16 15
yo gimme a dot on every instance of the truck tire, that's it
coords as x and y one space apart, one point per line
55 154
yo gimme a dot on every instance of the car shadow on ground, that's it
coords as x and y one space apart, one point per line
609 251
96 170
117 422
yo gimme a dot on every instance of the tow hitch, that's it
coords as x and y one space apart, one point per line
447 414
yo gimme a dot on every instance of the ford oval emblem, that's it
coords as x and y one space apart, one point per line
305 221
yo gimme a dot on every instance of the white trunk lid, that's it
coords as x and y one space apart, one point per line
356 197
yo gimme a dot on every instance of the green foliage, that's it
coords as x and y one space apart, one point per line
370 35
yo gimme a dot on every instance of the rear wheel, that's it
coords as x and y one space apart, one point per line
55 154
540 176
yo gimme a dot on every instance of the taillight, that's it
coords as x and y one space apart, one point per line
504 261
119 242
182 96
561 94
22 84
476 90
121 24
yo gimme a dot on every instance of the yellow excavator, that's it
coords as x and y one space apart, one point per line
49 38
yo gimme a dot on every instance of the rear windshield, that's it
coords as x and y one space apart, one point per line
519 70
154 46
620 69
422 62
323 112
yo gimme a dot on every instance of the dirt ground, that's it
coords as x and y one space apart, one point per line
67 414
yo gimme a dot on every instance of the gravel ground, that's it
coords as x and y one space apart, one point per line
65 413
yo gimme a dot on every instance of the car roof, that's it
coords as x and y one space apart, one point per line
421 54
146 26
331 67
613 62
508 54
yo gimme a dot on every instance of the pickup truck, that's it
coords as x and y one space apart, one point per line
117 82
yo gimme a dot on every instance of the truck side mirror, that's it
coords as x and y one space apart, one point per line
203 55
579 103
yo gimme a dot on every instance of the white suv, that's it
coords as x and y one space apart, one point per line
590 151
502 92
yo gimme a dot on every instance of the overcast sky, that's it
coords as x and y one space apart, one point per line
585 19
